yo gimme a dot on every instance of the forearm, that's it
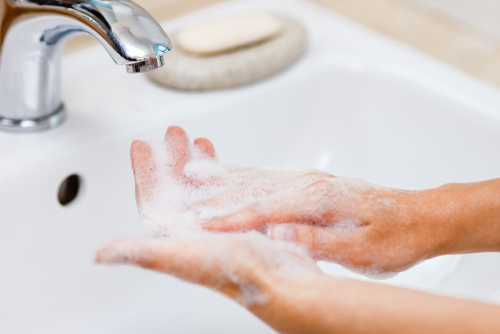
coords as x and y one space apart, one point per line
456 218
326 304
466 217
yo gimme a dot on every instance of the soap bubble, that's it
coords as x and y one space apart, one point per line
181 186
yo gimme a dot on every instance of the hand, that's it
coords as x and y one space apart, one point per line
371 229
290 294
352 222
362 226
179 186
244 267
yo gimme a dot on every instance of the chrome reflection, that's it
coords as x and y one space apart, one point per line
32 38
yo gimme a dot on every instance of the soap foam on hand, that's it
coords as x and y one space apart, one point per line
181 187
178 187
179 204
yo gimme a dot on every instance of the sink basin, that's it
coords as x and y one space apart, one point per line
355 105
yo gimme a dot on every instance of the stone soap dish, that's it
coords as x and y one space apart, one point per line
230 51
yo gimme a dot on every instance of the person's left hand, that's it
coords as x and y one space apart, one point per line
176 179
241 265
244 267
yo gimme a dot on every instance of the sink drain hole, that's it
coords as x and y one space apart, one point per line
68 190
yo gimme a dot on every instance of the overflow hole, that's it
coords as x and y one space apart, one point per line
68 190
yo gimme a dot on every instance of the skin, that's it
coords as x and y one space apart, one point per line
396 229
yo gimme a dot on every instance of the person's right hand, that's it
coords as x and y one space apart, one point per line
373 229
362 226
352 222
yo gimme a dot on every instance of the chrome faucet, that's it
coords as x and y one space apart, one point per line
32 38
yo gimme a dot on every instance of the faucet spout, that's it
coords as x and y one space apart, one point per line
32 38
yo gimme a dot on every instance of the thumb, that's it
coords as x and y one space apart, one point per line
323 243
184 260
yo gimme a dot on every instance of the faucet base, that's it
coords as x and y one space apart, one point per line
34 124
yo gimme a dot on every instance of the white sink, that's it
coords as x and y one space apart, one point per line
355 105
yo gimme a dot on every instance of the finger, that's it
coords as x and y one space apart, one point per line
139 252
266 187
280 208
346 247
241 220
177 150
256 216
305 206
144 170
205 146
197 262
216 201
316 176
182 260
222 262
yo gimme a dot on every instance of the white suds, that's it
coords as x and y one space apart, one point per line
175 202
179 204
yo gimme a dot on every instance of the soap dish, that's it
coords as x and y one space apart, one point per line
251 60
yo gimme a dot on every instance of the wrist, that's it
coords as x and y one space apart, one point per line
292 300
274 311
466 217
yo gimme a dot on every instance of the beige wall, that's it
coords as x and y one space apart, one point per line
482 16
428 31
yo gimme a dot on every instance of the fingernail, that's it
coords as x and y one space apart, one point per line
105 256
282 232
208 224
114 252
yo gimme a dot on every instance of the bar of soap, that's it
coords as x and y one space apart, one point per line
228 33
187 71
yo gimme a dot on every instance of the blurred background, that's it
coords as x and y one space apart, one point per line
463 33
